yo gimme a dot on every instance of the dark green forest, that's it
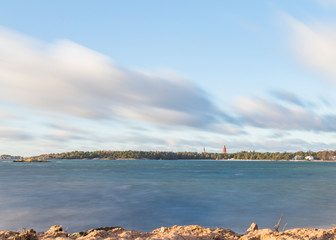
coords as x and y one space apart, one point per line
158 155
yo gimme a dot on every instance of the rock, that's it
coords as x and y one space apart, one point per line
55 231
8 235
261 234
252 228
77 235
28 235
293 234
191 232
106 229
55 228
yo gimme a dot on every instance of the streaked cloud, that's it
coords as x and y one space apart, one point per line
315 46
14 134
287 97
67 78
263 113
64 136
327 3
5 114
227 129
290 144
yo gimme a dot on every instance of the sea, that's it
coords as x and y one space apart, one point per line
147 194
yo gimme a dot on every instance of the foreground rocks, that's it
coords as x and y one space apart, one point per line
192 232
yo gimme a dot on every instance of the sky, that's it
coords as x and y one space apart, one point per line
167 75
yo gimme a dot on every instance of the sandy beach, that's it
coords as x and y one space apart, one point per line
191 232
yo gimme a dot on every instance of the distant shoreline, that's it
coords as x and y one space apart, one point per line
133 159
163 155
270 160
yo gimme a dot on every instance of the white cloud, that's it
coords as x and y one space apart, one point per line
288 97
327 3
315 46
66 135
5 114
67 78
284 144
13 134
263 113
227 129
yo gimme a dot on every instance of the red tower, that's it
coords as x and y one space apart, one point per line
224 149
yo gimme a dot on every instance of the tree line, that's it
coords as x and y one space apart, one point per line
158 155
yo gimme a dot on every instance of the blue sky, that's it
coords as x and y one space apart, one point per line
167 75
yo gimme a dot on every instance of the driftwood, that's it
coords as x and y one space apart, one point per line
283 229
276 227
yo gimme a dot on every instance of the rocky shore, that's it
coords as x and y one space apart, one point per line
192 232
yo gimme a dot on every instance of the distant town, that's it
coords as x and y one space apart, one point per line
160 155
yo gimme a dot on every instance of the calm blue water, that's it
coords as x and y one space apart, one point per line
144 195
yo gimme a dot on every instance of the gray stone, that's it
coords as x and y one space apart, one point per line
252 228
